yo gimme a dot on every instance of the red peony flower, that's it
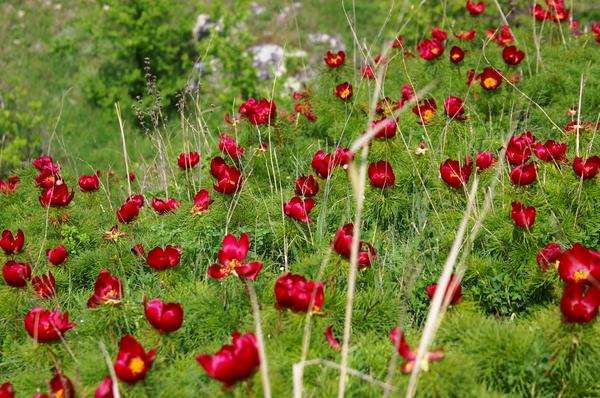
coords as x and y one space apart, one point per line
335 60
10 184
468 35
164 317
231 258
229 180
454 174
367 72
45 163
456 55
579 302
217 166
322 164
233 362
343 91
132 361
7 390
405 352
439 34
160 259
259 112
504 36
228 145
524 174
299 209
540 13
381 174
104 389
490 78
551 151
549 255
512 55
162 206
128 212
188 160
12 244
295 292
475 8
89 183
47 326
16 274
519 148
456 291
485 160
44 286
201 202
343 157
331 340
407 93
523 216
425 109
430 49
61 386
578 263
454 108
137 199
342 244
387 127
108 289
58 255
307 186
47 179
398 42
56 196
586 169
138 250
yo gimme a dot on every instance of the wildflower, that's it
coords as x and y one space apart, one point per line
512 55
549 255
475 8
490 78
342 244
44 286
108 289
524 174
485 160
335 60
294 292
578 263
456 55
343 91
132 362
299 209
307 186
12 244
426 110
188 160
164 206
523 216
201 202
161 259
405 352
56 196
454 108
322 164
16 274
88 183
47 326
455 175
259 112
453 295
588 168
381 174
231 259
164 317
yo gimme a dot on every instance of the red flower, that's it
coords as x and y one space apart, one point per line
333 342
132 361
462 35
551 151
56 196
439 34
540 13
12 244
231 258
430 49
138 250
16 274
217 166
7 390
108 289
44 286
381 174
162 206
164 317
549 255
454 108
307 186
188 160
128 212
454 174
475 8
299 209
342 157
367 72
407 92
45 163
577 126
523 216
343 91
519 147
228 145
455 292
201 202
512 55
398 42
342 244
471 77
47 179
485 160
259 112
137 199
504 36
160 259
490 78
426 110
295 292
586 169
228 181
322 164
387 127
405 352
524 174
47 326
580 302
456 55
89 183
61 386
576 264
104 389
10 184
58 255
233 362
335 60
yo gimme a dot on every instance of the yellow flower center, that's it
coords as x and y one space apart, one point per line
345 94
60 393
580 275
455 56
435 51
231 266
489 82
137 365
428 114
